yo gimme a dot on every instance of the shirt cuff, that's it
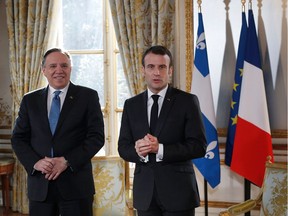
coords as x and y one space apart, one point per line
144 159
159 155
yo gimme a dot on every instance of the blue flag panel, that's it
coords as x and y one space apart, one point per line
236 92
209 166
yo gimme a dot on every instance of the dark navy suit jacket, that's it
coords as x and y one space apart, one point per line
78 137
180 129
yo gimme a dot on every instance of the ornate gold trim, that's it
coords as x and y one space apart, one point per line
189 42
5 127
223 204
278 133
111 157
222 132
276 146
5 115
5 136
277 165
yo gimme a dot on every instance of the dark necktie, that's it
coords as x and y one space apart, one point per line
54 111
154 114
153 123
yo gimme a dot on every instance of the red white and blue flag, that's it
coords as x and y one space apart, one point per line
253 142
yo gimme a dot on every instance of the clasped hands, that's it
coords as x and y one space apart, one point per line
51 167
146 145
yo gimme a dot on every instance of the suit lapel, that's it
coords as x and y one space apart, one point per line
166 107
68 103
43 94
145 111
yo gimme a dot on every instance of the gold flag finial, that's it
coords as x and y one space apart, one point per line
199 5
243 5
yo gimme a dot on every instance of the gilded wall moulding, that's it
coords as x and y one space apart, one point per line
189 42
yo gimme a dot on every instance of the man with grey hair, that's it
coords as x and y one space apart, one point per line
58 131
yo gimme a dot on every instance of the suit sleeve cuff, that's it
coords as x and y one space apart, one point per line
68 165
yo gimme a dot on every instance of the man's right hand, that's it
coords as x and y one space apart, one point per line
142 147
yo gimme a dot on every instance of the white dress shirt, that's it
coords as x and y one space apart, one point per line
162 93
50 96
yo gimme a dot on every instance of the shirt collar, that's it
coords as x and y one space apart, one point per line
162 93
52 90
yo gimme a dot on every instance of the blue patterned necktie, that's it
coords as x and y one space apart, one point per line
54 111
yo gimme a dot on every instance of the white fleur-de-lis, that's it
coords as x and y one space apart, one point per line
209 152
200 41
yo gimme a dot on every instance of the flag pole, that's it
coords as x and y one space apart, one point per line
250 4
247 191
206 197
205 181
247 185
243 5
199 2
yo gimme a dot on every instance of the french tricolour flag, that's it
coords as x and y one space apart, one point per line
252 142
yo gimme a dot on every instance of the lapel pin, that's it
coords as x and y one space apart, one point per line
71 97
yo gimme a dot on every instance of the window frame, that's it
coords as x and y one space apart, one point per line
110 109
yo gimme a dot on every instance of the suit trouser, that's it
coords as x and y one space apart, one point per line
54 205
157 209
157 212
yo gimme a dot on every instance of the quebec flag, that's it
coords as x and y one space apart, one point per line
209 166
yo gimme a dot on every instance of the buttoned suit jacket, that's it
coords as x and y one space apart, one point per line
79 135
180 129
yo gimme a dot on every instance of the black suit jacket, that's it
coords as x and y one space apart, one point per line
78 137
180 129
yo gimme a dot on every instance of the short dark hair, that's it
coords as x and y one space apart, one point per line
158 50
52 50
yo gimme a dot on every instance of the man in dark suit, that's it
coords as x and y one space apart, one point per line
164 178
58 164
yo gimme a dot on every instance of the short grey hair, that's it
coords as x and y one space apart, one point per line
52 50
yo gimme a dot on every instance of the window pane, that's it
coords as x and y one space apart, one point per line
88 70
122 85
82 24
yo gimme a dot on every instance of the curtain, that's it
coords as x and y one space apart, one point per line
138 25
29 24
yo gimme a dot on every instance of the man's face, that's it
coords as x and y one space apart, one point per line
57 70
157 71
